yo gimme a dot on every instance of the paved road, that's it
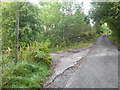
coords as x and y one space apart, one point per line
100 69
63 62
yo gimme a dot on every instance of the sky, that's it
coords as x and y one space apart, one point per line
86 4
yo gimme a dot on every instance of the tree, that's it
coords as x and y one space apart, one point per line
29 26
107 12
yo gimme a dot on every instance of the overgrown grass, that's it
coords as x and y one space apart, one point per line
30 71
83 39
25 74
76 45
114 38
33 66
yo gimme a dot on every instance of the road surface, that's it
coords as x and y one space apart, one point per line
99 68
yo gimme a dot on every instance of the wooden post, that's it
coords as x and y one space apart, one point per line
17 34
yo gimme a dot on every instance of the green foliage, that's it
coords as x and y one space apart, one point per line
31 69
107 12
54 20
24 74
114 38
36 52
29 23
43 28
76 45
40 54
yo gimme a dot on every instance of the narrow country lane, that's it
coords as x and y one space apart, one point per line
97 69
100 69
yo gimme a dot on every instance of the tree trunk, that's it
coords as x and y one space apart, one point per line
17 34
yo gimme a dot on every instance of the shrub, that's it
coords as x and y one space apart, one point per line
36 52
31 69
25 75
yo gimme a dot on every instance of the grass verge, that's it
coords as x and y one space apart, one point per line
115 40
25 75
76 45
30 71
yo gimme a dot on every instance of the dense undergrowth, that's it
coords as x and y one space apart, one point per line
107 13
50 28
31 69
33 66
114 38
44 28
76 45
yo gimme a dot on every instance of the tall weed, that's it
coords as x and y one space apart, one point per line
31 69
